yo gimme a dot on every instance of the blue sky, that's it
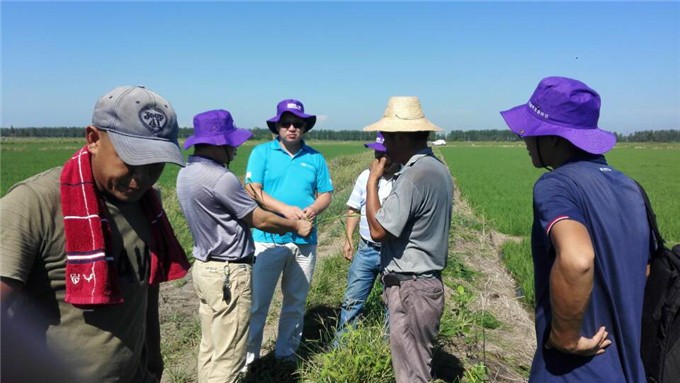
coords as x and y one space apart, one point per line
464 60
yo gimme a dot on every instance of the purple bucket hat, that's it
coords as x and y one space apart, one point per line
378 144
562 107
291 106
216 127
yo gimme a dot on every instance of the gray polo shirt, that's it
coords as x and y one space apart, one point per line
417 214
214 203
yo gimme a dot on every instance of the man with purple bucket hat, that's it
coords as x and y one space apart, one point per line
590 240
291 179
365 266
220 213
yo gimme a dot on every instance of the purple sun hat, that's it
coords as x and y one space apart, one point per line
216 127
562 107
291 106
378 144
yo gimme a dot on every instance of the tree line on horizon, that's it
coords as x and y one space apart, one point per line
671 135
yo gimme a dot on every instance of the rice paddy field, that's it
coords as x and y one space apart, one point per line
497 181
22 158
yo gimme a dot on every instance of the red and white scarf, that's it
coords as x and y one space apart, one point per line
91 277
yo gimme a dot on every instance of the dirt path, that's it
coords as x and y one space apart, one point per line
509 348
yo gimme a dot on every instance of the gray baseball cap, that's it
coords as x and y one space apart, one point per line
141 125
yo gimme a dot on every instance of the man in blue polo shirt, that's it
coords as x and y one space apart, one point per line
590 241
289 178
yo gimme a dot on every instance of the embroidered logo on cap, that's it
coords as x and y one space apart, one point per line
153 119
537 110
292 105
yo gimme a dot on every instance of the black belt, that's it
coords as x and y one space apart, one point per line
395 279
371 244
250 259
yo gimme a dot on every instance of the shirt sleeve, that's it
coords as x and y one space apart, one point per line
555 199
257 163
358 197
230 192
21 217
397 209
323 177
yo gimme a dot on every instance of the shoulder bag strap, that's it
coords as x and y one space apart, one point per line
651 217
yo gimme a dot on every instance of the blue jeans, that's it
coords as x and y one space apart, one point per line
363 271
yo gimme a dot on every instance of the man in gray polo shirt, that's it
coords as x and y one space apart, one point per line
413 226
220 213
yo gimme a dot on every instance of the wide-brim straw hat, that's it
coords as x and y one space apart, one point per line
403 114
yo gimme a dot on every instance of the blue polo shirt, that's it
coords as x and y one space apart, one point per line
292 180
610 206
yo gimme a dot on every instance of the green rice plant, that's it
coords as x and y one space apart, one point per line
498 182
330 280
477 373
23 158
657 169
180 336
517 258
363 357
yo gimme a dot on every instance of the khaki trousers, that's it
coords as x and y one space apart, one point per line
224 327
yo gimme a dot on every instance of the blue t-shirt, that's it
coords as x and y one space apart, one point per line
292 180
610 206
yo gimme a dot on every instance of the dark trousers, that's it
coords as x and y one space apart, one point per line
415 310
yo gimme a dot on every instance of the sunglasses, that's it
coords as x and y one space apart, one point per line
296 124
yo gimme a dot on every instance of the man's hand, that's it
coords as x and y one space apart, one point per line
293 212
304 227
377 168
309 212
583 346
348 250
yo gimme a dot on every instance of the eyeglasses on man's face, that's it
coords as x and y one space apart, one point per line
296 124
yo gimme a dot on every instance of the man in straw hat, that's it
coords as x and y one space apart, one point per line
220 213
85 246
365 266
291 179
413 226
590 240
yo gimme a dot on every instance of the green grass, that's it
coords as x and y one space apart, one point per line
22 158
497 181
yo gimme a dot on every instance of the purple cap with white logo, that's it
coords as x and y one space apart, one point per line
378 144
291 106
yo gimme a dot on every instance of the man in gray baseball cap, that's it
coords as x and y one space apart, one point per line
85 246
141 124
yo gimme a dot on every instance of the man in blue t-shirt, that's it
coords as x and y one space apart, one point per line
289 178
590 241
